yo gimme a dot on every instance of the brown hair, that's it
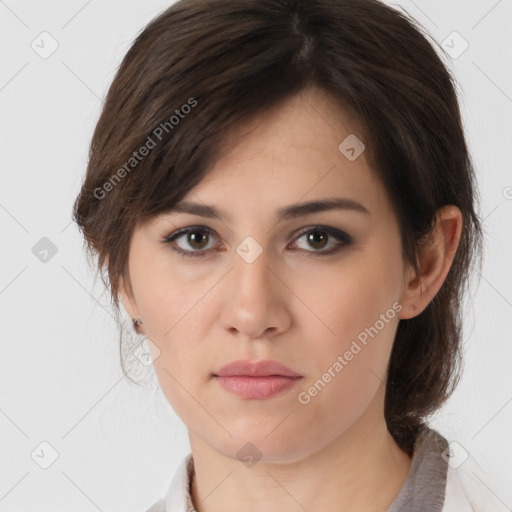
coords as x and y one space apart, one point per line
202 67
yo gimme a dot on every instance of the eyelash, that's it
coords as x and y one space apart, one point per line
344 238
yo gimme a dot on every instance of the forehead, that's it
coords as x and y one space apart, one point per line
295 152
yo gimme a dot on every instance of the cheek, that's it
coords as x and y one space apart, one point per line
178 391
167 298
172 316
369 288
357 321
350 367
361 293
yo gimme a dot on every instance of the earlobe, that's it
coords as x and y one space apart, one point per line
436 257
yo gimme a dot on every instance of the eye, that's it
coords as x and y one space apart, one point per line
194 241
318 236
195 237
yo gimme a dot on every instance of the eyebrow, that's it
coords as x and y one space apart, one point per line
286 213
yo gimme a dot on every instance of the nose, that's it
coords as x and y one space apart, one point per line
255 297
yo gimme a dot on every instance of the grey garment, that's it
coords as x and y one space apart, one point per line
423 490
425 485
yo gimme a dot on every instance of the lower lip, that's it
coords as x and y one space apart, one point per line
256 387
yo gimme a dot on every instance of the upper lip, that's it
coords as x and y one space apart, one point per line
255 369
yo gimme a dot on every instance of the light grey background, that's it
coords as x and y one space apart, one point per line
60 380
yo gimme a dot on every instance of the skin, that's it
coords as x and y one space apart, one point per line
335 452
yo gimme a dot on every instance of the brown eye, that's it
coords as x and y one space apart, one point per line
193 241
318 238
197 239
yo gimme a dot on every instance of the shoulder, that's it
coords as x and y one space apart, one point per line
466 492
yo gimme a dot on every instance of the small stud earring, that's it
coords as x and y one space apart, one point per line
137 322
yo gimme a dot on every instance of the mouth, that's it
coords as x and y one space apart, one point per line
256 380
256 387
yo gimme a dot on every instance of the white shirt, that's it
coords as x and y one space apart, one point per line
432 484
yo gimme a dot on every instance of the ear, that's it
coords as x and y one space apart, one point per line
436 257
127 299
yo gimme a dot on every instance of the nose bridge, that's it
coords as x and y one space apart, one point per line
251 305
251 266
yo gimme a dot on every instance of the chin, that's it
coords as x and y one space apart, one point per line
254 447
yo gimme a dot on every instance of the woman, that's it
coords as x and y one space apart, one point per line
282 198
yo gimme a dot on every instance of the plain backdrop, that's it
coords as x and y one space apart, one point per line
117 445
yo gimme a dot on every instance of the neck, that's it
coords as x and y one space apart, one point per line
362 469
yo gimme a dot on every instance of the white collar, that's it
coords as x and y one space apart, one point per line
177 498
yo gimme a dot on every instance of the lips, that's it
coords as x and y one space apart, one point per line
255 369
256 380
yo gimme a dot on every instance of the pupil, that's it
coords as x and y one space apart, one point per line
314 239
196 239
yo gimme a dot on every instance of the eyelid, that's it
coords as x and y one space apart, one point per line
295 233
320 227
189 229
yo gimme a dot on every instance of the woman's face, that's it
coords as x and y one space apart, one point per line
319 292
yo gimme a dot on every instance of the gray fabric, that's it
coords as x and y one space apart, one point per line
190 506
425 485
